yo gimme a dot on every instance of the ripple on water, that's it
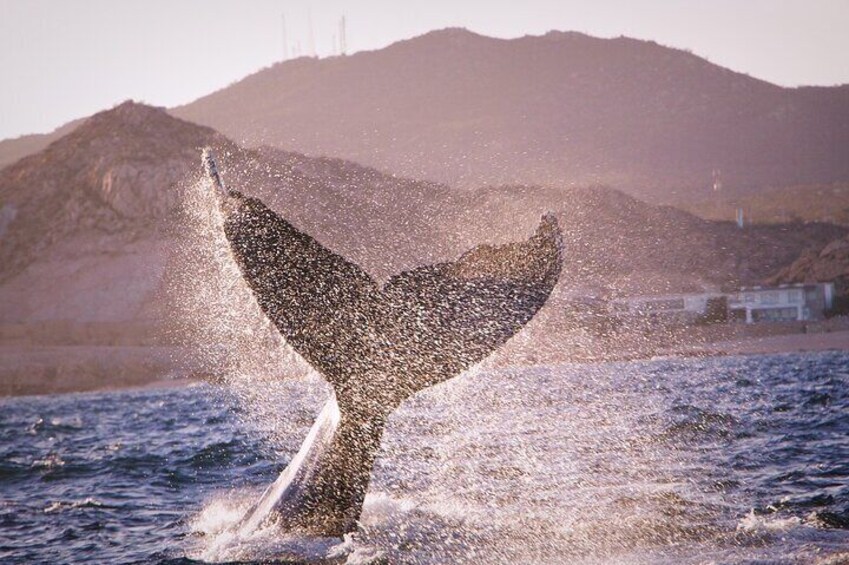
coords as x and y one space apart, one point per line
732 460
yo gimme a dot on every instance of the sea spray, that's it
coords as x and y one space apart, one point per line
231 341
668 461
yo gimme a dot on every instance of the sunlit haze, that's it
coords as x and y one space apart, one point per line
424 281
65 60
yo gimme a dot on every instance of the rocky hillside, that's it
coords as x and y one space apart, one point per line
808 203
561 109
829 264
113 177
615 243
88 226
622 245
17 148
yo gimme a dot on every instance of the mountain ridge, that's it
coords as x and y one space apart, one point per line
565 108
95 221
112 174
801 136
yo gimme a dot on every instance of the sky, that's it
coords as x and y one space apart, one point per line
65 59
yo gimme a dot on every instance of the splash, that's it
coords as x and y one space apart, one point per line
230 341
221 540
471 470
754 523
275 393
291 481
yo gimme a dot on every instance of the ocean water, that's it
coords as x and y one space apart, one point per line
715 460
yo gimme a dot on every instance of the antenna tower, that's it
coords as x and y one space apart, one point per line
311 36
285 39
343 40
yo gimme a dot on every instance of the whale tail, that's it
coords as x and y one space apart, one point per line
376 345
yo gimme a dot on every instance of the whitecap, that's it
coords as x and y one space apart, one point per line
755 523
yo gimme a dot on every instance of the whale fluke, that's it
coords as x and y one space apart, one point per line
376 345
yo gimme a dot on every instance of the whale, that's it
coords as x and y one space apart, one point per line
375 344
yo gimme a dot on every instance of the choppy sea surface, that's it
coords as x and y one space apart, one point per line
716 460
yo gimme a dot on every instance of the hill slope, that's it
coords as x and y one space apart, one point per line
829 264
827 203
82 231
559 109
87 226
17 148
105 241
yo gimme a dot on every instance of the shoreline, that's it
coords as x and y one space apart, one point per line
39 370
775 344
43 370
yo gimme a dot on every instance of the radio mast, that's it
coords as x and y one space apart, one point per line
311 36
343 41
285 39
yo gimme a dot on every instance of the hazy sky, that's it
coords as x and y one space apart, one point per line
64 59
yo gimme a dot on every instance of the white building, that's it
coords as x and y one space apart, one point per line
801 302
684 308
798 302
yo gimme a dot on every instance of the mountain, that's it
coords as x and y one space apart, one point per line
829 264
806 203
108 243
81 222
621 245
558 110
88 225
17 148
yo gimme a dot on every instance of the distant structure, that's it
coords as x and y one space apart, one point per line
681 308
786 303
343 40
717 180
310 35
300 46
740 219
285 40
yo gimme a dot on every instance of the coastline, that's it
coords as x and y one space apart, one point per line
39 370
785 343
58 369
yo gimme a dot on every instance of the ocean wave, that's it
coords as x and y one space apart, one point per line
687 461
60 506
